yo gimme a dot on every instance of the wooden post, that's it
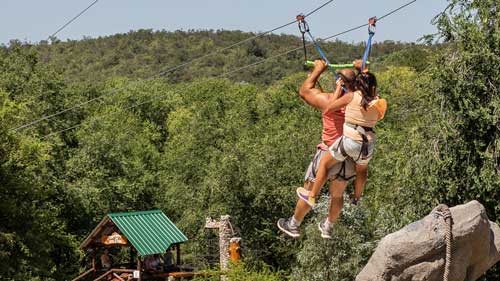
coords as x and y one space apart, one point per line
93 262
132 252
139 267
178 253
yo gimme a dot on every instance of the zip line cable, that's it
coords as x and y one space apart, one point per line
396 10
366 24
217 76
74 18
159 98
241 68
243 41
317 9
168 70
321 39
54 34
173 68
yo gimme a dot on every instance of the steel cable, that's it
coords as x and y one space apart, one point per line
161 73
74 18
241 68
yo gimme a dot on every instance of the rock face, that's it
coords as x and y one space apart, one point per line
417 252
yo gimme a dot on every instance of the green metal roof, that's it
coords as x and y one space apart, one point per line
150 232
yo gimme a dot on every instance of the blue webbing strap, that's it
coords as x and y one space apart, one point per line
322 54
304 28
371 33
367 50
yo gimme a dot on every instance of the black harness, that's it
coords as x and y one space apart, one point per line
340 175
363 154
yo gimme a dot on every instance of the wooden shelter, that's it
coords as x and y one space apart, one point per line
147 234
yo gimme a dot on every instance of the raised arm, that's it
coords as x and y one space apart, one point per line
358 64
312 96
336 104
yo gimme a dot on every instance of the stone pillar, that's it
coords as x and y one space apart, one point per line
226 232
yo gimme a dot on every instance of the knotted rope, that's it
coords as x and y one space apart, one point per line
443 211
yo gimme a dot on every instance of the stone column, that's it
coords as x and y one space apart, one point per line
226 232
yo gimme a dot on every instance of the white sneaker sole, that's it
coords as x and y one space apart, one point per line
287 232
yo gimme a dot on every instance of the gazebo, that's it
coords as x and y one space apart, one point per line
147 234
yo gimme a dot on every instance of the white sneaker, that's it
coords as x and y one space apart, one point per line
326 233
284 225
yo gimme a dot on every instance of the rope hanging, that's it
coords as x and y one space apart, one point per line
443 211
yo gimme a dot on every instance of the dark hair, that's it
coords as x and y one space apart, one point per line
366 83
348 82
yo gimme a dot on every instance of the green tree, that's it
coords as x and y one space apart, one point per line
114 168
469 76
469 79
34 243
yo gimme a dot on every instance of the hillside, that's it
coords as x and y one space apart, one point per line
145 53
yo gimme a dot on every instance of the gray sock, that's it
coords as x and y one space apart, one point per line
293 223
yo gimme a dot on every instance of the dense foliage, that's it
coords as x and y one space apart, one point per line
146 53
197 146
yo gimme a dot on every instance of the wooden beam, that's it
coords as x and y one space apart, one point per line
104 275
112 271
94 255
86 243
178 253
139 268
182 274
118 276
132 254
84 274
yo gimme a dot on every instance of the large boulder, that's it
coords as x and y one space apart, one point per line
417 252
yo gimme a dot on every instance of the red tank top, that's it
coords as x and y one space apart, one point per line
333 125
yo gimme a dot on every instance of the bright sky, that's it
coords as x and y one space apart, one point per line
35 20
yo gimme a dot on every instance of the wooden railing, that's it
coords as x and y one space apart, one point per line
113 272
79 277
182 274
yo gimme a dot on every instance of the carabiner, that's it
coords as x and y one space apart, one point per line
303 26
372 25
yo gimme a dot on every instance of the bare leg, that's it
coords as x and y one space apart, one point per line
302 208
291 225
359 183
336 201
337 188
327 161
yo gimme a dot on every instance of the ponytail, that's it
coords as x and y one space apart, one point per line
366 83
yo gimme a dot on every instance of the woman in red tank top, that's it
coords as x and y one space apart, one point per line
358 138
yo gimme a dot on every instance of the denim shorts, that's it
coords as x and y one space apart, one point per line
353 149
